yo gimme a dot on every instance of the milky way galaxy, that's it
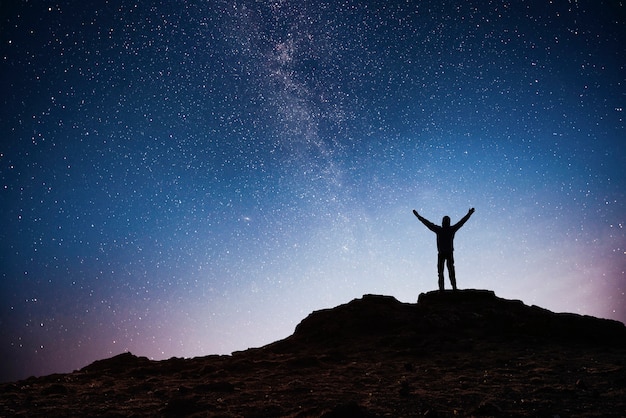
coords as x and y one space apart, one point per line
184 178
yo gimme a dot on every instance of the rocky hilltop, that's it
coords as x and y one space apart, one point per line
464 353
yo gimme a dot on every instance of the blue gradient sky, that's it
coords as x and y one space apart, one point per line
190 178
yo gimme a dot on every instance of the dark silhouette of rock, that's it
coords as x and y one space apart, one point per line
461 353
122 363
455 314
482 313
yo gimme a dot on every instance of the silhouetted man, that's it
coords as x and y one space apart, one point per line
445 248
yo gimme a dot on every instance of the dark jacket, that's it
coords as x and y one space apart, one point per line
445 234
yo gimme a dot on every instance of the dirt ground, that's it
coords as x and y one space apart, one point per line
359 374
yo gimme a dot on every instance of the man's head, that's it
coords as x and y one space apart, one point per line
445 222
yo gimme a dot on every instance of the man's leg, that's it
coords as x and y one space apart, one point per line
451 271
440 260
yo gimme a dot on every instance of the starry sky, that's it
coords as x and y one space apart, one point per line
184 178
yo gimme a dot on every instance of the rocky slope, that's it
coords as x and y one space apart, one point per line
465 353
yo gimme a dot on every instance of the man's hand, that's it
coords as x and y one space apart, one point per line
471 211
415 213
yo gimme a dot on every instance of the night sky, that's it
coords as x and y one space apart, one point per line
184 178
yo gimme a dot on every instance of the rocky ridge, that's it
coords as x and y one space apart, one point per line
464 353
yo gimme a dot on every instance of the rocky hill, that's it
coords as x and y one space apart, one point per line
465 353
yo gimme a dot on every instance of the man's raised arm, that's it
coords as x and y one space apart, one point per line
463 219
425 221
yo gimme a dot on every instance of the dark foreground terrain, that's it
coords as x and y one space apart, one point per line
467 353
